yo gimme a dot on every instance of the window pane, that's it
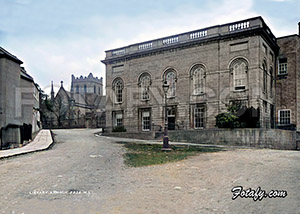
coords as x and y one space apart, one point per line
198 80
199 117
146 121
171 78
284 117
239 75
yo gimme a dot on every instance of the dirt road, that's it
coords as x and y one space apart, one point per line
85 174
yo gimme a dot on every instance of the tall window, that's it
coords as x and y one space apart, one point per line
170 77
271 81
84 88
77 89
146 121
144 83
118 90
265 77
94 89
118 119
282 66
198 76
199 117
284 117
239 69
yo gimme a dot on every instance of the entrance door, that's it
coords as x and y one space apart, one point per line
171 118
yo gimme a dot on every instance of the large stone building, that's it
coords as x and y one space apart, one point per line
205 70
83 106
288 82
19 100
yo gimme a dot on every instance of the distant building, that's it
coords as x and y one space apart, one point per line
288 82
84 106
19 100
87 85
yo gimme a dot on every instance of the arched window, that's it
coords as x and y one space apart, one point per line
170 77
144 83
84 88
239 69
198 77
265 78
118 90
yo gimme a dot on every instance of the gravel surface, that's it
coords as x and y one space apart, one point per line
85 174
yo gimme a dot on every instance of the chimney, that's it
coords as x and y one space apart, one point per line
61 84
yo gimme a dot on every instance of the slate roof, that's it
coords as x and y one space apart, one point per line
25 75
5 53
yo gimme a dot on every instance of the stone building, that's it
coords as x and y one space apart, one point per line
288 82
83 106
19 101
87 85
205 69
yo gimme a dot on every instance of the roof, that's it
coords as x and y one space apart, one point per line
90 101
6 54
25 75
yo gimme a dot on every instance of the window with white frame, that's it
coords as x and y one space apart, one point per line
118 90
198 77
282 67
284 117
146 124
170 77
239 70
144 83
118 120
198 117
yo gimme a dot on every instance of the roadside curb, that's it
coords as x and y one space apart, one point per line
19 153
139 141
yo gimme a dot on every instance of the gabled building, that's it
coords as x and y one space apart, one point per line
19 101
83 106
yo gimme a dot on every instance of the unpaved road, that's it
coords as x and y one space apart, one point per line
85 174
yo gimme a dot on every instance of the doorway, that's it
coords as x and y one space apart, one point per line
171 114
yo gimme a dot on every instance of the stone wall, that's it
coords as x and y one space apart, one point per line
137 135
260 138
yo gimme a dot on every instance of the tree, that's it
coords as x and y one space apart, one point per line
229 119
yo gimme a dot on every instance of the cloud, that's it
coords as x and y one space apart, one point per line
79 47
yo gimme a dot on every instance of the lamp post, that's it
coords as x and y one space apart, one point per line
166 146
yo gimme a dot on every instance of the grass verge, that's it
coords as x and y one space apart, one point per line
138 155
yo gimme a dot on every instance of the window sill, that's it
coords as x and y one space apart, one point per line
282 74
201 94
239 90
145 100
118 103
200 128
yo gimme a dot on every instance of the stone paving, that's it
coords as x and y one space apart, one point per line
41 142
